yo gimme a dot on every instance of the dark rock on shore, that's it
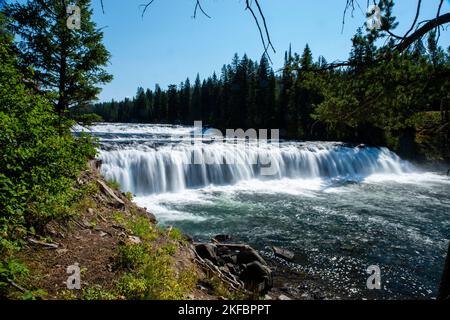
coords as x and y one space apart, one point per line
248 255
257 277
222 238
207 251
239 262
283 254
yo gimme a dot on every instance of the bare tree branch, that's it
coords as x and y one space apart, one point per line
103 7
199 6
265 25
419 3
437 15
420 32
264 35
146 7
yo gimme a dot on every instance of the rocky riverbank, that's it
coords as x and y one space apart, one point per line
115 243
269 277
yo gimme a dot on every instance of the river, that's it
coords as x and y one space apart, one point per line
340 208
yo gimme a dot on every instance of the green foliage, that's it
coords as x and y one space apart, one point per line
129 195
149 267
113 184
153 277
97 293
176 234
131 256
372 99
219 288
39 162
69 63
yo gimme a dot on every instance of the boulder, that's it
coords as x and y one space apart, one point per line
248 255
283 254
207 251
233 268
222 238
230 258
257 277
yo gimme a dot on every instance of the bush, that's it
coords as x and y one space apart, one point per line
40 159
154 278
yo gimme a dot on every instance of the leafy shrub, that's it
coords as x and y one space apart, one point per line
39 159
156 279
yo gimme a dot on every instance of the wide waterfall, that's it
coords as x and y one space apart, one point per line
340 207
145 169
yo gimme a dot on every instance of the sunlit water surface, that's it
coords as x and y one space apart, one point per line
339 208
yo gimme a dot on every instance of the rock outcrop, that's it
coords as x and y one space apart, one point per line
241 266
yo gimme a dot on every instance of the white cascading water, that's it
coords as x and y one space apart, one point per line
147 170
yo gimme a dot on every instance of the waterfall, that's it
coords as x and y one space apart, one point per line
144 169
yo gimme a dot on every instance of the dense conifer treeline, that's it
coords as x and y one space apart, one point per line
401 103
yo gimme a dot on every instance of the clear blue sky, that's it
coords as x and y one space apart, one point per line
167 45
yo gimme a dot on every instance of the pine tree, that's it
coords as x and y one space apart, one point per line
157 105
196 113
149 106
186 101
68 62
140 106
172 104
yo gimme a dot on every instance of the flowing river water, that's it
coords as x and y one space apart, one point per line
340 208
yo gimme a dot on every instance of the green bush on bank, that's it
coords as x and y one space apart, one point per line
39 162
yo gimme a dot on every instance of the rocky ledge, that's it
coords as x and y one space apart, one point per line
243 268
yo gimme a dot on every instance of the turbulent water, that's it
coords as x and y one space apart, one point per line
339 208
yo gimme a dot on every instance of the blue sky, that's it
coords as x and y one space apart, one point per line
168 45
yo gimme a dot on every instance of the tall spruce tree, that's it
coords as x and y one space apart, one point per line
196 113
69 62
185 103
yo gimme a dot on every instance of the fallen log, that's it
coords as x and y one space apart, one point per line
108 191
44 244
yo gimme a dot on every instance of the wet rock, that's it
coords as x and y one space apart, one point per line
230 258
283 254
347 247
223 251
233 268
222 238
207 251
249 255
305 296
257 277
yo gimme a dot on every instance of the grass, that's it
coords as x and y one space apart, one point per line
144 270
113 184
219 288
149 267
150 274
